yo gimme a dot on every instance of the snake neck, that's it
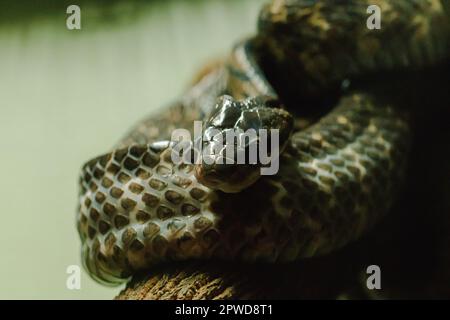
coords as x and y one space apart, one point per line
246 78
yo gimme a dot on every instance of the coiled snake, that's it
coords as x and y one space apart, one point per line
338 173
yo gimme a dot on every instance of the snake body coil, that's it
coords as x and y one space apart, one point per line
337 176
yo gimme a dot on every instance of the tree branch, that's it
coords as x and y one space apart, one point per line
309 279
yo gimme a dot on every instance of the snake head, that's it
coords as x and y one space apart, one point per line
241 140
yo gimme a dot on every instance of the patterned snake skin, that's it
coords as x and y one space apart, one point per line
337 176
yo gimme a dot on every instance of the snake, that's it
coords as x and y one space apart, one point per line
340 167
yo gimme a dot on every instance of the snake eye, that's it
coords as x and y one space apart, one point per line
225 114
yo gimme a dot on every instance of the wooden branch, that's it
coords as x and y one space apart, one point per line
308 279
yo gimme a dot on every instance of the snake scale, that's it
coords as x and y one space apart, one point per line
338 174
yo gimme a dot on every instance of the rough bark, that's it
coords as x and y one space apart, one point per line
219 280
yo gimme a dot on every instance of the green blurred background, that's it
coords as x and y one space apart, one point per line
69 95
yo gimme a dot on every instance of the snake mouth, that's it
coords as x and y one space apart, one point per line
227 178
